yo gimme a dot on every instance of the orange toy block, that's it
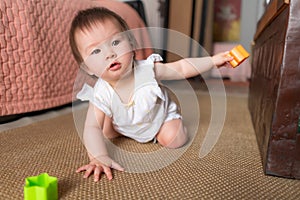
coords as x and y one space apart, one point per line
239 54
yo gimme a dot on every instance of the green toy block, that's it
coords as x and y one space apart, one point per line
41 187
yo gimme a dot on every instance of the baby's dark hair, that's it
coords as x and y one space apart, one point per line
86 19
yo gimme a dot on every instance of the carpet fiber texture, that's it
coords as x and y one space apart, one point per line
232 170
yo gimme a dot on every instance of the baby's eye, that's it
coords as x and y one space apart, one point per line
115 42
96 51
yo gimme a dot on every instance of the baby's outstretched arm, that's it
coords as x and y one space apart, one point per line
93 139
190 67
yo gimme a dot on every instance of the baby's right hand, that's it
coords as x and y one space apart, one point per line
222 59
98 168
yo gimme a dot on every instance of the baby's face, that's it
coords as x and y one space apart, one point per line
106 51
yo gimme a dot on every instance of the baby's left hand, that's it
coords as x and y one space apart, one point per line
222 59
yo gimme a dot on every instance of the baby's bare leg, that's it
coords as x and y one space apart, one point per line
172 134
108 130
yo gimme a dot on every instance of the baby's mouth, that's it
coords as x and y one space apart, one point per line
114 66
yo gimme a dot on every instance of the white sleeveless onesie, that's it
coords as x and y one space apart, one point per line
149 108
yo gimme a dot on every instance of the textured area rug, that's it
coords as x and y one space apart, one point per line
232 170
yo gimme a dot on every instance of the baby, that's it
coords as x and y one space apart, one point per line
127 98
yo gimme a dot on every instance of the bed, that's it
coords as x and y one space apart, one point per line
37 69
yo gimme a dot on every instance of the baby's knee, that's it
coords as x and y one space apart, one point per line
179 141
175 140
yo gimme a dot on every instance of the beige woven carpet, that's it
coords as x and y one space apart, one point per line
232 170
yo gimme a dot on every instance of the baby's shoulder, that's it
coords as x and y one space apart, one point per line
102 88
150 60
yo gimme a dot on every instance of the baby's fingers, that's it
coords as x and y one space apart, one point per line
88 172
228 65
83 168
107 172
97 173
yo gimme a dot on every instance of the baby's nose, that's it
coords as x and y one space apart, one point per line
111 54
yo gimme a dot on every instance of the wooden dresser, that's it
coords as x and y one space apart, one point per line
274 95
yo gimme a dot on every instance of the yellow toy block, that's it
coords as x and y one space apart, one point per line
239 54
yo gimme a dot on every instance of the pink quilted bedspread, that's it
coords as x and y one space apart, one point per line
37 69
